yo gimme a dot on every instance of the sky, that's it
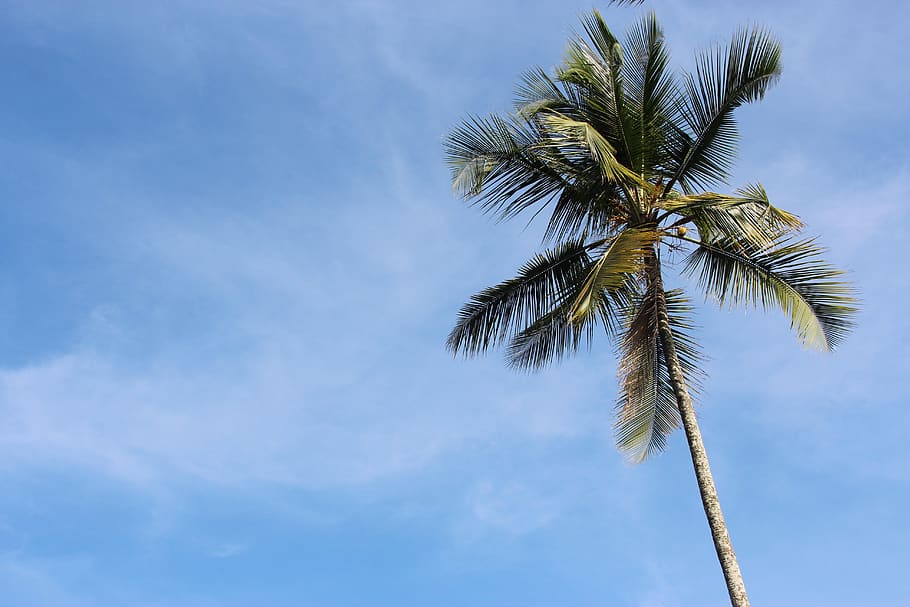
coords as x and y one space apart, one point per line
230 259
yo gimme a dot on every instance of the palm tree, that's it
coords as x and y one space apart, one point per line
619 151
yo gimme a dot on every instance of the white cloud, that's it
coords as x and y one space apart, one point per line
34 581
512 508
228 550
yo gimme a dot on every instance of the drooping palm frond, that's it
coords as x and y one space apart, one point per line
789 274
557 334
724 79
554 335
747 215
622 257
647 410
499 312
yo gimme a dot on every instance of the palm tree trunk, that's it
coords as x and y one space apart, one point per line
722 544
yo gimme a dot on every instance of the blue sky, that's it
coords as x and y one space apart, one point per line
230 258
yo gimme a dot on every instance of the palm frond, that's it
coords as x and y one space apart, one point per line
647 411
593 67
555 334
587 207
596 297
539 92
789 274
724 79
652 95
747 215
498 312
622 257
576 140
497 161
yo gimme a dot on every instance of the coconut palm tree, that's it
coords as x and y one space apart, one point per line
619 153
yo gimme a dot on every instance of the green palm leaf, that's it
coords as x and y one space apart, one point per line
587 209
499 162
588 204
621 257
789 274
556 334
652 96
593 67
578 140
538 92
747 215
549 339
498 312
724 79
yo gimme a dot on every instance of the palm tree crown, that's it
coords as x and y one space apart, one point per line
619 152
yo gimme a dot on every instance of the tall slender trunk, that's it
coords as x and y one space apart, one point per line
722 544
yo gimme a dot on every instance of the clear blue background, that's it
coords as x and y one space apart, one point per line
229 258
